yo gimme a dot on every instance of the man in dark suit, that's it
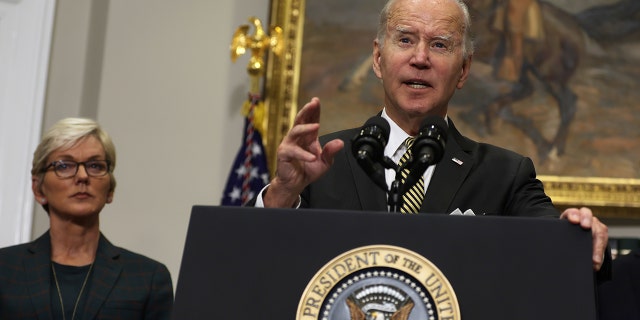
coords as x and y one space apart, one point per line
619 299
462 181
422 54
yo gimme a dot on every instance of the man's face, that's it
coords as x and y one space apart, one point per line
421 60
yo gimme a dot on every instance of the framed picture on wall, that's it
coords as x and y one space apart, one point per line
574 109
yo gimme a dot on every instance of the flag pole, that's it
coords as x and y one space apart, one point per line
250 171
258 44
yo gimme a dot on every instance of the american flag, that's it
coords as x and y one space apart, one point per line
249 173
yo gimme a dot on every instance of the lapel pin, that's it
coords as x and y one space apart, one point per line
458 161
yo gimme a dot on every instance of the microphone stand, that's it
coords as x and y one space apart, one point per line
393 195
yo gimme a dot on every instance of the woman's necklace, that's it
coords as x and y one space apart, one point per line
55 278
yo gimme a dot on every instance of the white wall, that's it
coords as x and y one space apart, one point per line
157 75
25 39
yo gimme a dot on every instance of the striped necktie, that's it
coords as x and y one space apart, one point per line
412 199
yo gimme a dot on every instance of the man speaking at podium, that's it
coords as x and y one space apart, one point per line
422 54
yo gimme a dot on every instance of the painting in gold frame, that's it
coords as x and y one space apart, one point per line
300 72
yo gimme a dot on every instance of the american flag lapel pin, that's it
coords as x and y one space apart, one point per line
458 161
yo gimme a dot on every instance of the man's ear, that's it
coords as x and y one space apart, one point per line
377 58
464 72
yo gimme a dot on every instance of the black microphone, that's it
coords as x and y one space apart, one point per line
368 148
427 148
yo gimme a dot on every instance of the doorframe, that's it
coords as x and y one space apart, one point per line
26 29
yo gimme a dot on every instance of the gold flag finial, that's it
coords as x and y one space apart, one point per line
258 43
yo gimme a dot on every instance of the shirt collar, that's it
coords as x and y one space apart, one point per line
397 136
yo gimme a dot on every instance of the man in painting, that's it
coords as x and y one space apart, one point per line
517 20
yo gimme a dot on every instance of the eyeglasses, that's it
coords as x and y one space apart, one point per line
68 168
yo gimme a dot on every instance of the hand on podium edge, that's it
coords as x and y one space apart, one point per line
599 231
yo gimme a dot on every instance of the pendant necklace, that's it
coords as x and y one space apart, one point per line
55 278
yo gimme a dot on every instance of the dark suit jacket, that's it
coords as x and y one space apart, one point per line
619 299
124 285
484 178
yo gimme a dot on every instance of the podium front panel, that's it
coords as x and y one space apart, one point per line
255 263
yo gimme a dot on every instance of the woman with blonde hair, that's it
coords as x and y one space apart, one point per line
72 271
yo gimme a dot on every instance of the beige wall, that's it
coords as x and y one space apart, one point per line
157 75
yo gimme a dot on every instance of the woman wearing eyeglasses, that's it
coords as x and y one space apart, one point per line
72 271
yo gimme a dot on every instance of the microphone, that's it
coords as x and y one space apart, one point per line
427 148
368 148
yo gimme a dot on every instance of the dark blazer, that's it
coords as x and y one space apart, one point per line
485 178
124 285
619 299
481 177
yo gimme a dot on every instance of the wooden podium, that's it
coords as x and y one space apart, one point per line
253 263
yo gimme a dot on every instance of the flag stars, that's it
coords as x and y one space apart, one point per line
254 173
235 194
256 149
241 171
249 173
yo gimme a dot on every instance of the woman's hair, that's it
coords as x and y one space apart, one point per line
467 39
65 134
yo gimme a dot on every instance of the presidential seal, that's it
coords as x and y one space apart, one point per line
379 282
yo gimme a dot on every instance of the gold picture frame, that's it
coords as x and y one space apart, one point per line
614 198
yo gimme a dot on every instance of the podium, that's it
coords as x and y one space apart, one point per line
257 263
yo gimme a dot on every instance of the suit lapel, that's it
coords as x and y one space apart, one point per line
107 268
37 267
449 174
372 197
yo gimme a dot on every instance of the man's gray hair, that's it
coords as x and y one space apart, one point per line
467 39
